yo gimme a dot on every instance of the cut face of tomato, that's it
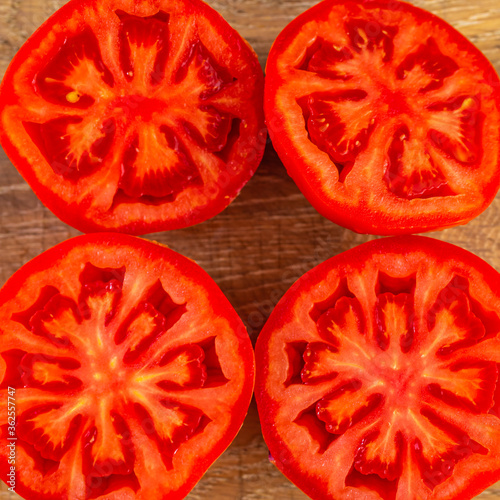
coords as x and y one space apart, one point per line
378 374
134 116
386 117
130 371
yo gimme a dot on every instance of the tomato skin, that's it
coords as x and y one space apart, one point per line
281 396
127 196
220 338
353 188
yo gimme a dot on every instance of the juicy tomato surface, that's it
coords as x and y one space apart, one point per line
378 374
385 116
131 372
134 115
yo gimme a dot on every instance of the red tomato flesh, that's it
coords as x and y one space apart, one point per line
130 371
386 117
134 116
378 374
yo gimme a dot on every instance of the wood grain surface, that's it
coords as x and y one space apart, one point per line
262 243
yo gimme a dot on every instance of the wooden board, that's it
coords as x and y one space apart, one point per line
262 243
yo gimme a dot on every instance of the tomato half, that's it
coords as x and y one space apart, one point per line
128 370
386 117
134 116
378 374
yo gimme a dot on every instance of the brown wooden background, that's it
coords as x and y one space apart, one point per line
256 248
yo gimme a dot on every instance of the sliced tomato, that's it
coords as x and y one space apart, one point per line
128 370
378 374
134 116
386 117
